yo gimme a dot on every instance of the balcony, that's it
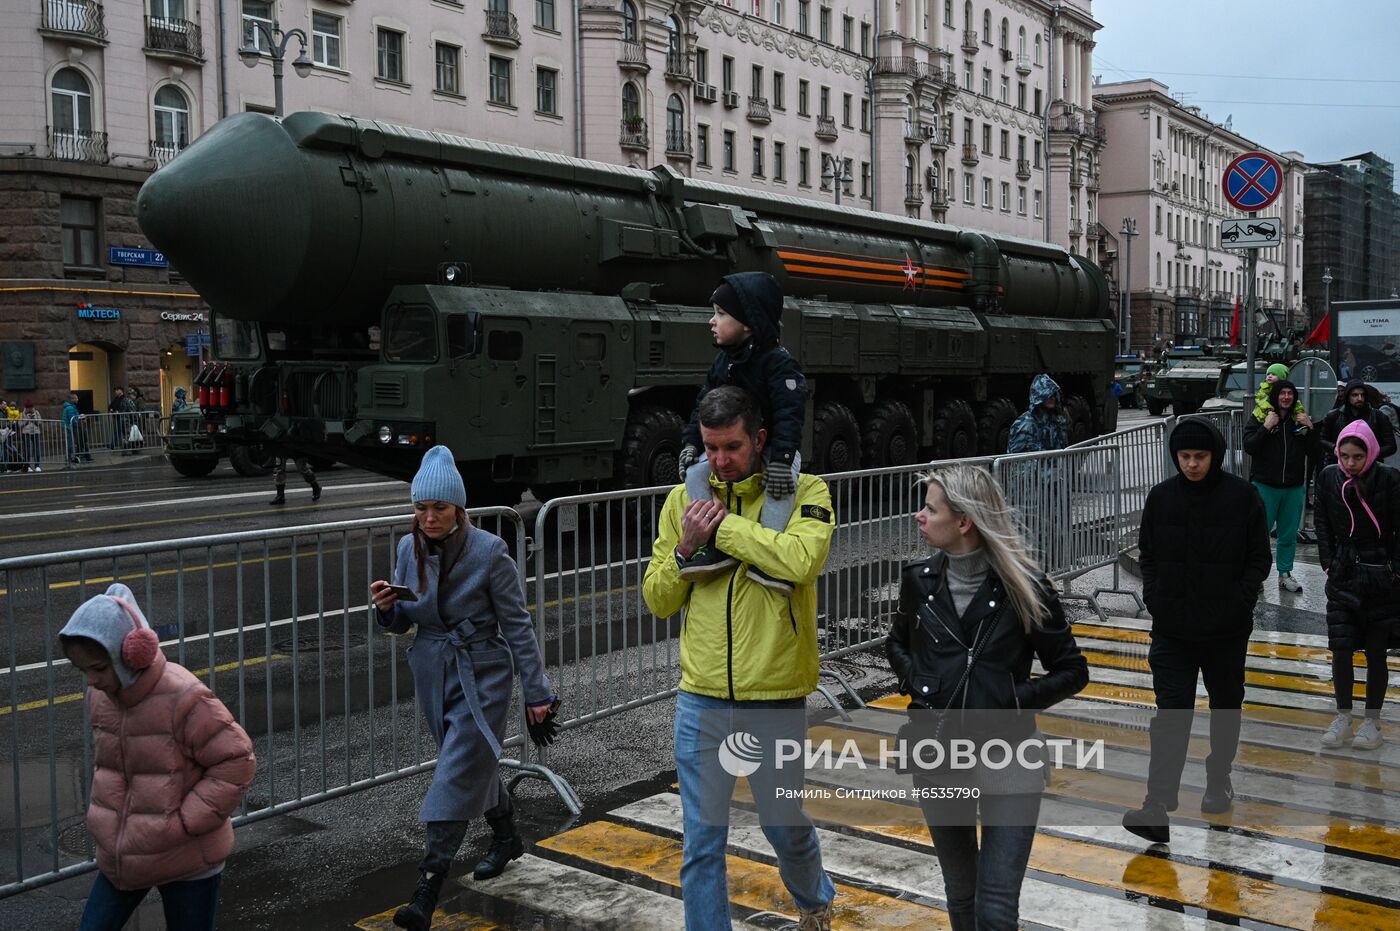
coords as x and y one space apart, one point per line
163 152
174 38
1076 177
916 131
1091 181
970 155
679 67
77 145
501 29
937 198
970 43
913 195
678 144
939 137
826 128
1023 169
632 56
1094 232
1076 227
1067 123
758 110
634 134
74 20
1023 64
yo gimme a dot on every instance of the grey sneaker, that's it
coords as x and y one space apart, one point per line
1339 731
1288 583
817 919
705 562
1368 735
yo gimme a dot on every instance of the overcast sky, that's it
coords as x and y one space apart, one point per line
1320 78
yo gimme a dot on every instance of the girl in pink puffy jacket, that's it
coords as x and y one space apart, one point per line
170 767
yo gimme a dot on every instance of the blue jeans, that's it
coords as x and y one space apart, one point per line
189 905
983 885
702 724
776 511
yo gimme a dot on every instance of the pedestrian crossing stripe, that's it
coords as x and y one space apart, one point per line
442 921
1264 680
1312 654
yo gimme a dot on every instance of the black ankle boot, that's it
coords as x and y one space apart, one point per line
281 496
506 845
417 915
315 491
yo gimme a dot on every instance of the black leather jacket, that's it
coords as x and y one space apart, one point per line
924 650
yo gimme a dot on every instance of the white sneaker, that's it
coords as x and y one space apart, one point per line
1339 731
1288 583
38 469
1368 735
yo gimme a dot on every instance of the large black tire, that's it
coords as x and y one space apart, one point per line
1156 408
891 437
193 466
250 461
994 419
651 447
954 430
835 439
1081 419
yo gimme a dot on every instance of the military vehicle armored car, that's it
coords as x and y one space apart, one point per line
377 290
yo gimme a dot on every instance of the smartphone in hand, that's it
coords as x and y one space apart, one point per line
403 592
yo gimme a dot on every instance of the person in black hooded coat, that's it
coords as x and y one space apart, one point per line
1355 404
747 326
1204 552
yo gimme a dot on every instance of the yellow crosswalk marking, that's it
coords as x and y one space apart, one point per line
1127 872
442 921
751 884
1261 648
1268 680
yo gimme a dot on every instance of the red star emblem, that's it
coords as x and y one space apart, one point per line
911 274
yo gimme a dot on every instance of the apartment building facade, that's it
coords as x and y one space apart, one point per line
1353 215
1163 171
971 114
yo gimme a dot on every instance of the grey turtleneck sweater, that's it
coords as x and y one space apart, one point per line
965 574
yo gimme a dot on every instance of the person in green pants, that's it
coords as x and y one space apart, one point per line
1278 447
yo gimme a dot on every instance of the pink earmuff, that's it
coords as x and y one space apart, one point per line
139 648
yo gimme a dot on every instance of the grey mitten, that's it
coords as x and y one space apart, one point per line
778 482
688 457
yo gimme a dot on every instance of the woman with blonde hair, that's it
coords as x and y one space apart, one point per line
971 617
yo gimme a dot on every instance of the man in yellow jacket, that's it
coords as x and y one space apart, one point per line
748 661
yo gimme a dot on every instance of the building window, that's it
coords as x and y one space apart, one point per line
757 157
255 12
1021 148
547 90
986 82
947 12
544 14
865 114
865 39
987 138
824 18
1005 144
967 188
779 103
1021 199
848 26
804 166
675 125
629 21
1159 127
172 120
499 71
631 104
446 65
702 66
1021 41
1005 89
1035 203
729 150
390 48
1035 163
778 12
757 82
1037 48
987 193
779 158
803 103
325 39
967 75
1006 197
78 216
804 17
967 131
726 73
1020 95
987 26
846 110
1037 101
1004 36
824 99
702 144
72 103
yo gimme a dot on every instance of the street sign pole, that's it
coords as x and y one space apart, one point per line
1251 298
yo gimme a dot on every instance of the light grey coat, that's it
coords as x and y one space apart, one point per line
468 644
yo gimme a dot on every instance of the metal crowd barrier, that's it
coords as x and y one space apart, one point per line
50 444
277 622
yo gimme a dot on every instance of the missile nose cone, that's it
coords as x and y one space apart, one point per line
233 215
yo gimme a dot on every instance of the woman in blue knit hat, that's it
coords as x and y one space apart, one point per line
473 633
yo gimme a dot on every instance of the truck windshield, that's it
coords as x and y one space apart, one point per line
410 334
236 339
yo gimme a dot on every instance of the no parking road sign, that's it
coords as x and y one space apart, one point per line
1253 181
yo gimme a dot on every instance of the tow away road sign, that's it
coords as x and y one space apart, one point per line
1252 181
1251 233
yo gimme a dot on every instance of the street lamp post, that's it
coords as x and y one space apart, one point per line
1128 231
277 42
1327 291
834 170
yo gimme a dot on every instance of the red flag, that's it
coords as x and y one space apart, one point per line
1235 325
1321 333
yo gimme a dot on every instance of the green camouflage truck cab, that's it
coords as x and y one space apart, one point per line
380 289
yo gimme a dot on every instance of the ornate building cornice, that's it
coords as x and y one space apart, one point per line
762 35
999 112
